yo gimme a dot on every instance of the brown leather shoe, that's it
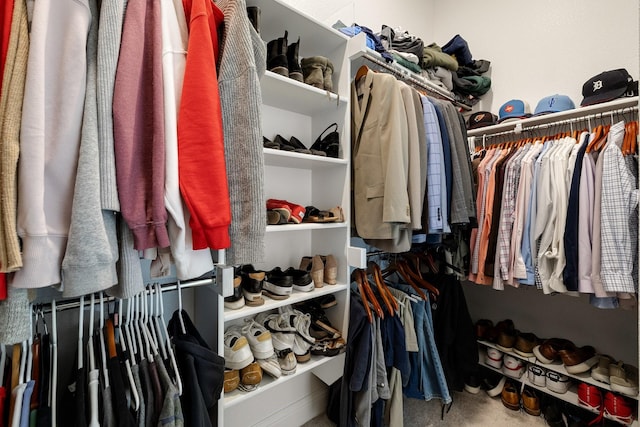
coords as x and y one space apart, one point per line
231 380
507 339
578 360
530 402
252 374
547 352
482 327
510 396
525 343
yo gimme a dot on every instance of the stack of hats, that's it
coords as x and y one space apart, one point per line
608 86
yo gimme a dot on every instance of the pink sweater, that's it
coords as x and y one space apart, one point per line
138 122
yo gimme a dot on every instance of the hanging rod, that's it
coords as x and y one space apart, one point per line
74 303
616 106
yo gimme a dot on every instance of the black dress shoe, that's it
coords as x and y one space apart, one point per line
301 279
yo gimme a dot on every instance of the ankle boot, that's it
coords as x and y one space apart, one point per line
277 56
327 76
313 70
254 16
295 72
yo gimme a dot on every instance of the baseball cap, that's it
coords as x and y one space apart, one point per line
606 86
553 104
481 119
513 110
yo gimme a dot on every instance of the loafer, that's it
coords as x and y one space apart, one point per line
510 396
530 402
525 342
506 340
579 360
231 380
251 375
482 327
547 352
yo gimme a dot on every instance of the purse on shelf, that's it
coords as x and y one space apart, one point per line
330 144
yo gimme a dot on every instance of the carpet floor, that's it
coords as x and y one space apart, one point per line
468 410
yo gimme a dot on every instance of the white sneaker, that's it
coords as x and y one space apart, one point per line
287 360
303 340
237 353
259 339
283 334
271 366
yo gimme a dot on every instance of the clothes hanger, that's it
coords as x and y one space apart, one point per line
358 279
127 361
395 267
93 373
362 71
182 328
598 133
151 322
53 389
103 351
35 370
152 347
145 345
390 302
80 333
418 280
136 329
162 344
172 356
130 337
370 295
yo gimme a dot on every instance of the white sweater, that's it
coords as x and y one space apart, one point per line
50 136
189 263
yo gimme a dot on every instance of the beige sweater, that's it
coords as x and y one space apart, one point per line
10 117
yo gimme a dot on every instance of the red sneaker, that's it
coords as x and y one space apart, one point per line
589 396
296 212
618 407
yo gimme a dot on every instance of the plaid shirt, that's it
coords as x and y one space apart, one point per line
619 218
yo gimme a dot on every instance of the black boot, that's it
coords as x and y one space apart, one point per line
277 56
254 17
295 71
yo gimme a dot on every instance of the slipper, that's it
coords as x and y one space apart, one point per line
314 214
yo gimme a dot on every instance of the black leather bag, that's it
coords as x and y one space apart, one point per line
330 144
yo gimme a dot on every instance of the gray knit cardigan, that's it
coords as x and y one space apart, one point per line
242 64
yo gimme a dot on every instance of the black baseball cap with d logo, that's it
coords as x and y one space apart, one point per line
481 119
607 86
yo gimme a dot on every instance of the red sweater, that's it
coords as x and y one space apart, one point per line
201 162
6 15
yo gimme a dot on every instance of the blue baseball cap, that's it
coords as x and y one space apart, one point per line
553 104
514 110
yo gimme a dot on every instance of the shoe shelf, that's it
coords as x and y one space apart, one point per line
283 92
558 367
305 226
281 158
571 396
270 304
268 383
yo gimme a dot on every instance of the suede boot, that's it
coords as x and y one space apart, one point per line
313 69
327 76
295 72
254 16
277 56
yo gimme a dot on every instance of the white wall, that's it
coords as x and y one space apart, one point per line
544 47
414 16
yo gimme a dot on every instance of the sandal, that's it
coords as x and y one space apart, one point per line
314 214
330 348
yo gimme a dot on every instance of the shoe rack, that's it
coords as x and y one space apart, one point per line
571 396
291 108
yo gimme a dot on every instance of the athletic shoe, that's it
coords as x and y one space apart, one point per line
303 340
283 335
287 360
278 285
237 353
271 366
236 300
301 279
259 339
252 284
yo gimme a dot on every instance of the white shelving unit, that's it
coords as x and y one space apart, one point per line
570 396
291 108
